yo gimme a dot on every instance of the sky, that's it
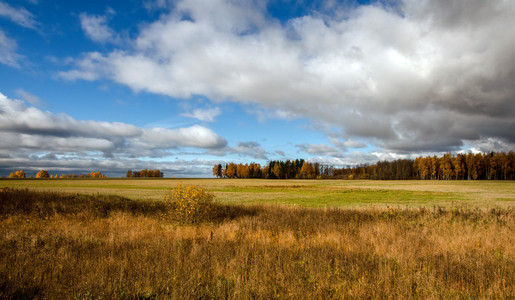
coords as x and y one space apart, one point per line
182 85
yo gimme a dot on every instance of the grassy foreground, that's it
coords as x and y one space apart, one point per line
55 245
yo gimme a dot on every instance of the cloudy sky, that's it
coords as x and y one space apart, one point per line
182 85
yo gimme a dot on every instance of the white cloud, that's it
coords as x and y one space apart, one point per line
252 149
242 149
321 150
95 27
194 136
206 115
426 77
489 145
88 68
8 55
27 129
351 143
20 16
351 159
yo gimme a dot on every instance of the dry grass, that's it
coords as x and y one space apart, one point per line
75 246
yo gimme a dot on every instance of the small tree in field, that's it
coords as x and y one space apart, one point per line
189 204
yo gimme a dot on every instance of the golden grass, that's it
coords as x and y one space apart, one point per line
76 246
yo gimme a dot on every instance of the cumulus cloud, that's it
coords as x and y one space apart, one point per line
252 149
8 55
320 150
95 27
242 149
206 115
87 68
28 130
20 15
420 76
350 143
489 145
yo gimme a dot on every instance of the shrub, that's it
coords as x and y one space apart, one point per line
190 204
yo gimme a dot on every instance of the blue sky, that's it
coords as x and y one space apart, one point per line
183 85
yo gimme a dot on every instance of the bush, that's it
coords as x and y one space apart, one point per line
190 204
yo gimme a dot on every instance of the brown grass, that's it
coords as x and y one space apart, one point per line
76 246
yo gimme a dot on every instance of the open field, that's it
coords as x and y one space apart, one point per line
312 193
62 245
321 239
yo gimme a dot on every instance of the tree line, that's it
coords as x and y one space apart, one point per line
144 174
289 169
494 166
480 166
45 174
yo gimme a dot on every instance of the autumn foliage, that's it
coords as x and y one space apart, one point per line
42 174
93 174
17 174
480 166
97 174
46 174
493 166
299 169
145 174
189 204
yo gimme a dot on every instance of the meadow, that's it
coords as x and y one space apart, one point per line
268 239
310 193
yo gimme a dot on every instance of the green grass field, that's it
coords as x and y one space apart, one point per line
310 193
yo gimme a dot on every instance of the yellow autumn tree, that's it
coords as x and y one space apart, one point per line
18 174
446 166
276 170
42 174
231 171
243 171
307 171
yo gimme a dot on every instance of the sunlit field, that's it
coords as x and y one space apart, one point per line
311 193
266 239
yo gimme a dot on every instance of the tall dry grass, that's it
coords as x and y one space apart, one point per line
75 246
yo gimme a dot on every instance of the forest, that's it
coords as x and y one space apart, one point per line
479 166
